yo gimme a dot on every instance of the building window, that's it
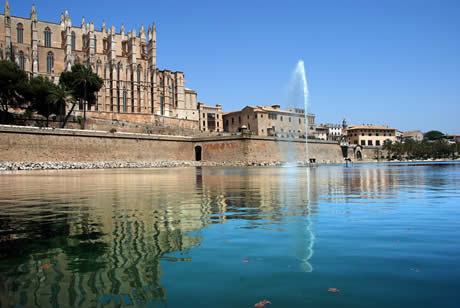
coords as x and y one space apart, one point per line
239 119
281 118
50 63
21 60
204 115
204 123
20 30
124 100
255 116
261 116
232 120
47 37
370 134
289 119
377 142
300 121
362 134
217 116
377 134
73 41
363 142
139 73
118 99
162 104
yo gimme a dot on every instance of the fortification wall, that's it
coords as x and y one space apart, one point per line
19 144
37 145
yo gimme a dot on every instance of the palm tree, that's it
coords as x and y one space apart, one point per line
83 83
60 96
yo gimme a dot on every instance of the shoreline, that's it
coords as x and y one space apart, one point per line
29 166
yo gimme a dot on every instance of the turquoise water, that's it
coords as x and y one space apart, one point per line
383 235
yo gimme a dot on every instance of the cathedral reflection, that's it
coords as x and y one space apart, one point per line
105 234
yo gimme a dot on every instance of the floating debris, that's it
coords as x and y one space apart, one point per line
246 260
334 290
46 266
262 303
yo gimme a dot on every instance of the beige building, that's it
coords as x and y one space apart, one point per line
126 61
370 135
270 121
415 135
211 118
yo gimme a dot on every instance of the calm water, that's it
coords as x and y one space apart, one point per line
385 236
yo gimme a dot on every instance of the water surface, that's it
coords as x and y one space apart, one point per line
384 235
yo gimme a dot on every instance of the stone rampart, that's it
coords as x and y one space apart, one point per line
19 144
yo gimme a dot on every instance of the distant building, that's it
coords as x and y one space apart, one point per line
370 135
453 138
321 132
415 135
211 118
329 131
270 121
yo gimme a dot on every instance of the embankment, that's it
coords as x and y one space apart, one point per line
45 148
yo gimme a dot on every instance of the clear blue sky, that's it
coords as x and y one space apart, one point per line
390 62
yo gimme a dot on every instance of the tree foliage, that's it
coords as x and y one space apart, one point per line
39 96
433 135
82 82
422 150
13 82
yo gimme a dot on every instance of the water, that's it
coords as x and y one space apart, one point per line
384 235
300 72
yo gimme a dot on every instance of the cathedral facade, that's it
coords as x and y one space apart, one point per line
126 61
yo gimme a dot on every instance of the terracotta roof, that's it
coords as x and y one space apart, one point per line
351 127
412 133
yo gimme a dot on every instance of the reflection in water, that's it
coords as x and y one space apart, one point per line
104 234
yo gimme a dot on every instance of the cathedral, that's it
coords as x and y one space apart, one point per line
134 88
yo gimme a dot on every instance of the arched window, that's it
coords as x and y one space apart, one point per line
98 66
139 68
125 107
47 37
73 40
20 30
77 60
50 63
21 60
119 69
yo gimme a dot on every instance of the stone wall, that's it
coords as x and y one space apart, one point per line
35 145
266 149
18 144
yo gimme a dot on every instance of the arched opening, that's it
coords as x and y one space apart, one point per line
359 155
198 153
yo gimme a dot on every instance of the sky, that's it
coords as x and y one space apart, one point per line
386 62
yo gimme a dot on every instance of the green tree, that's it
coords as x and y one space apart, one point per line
13 82
60 96
38 94
433 135
83 83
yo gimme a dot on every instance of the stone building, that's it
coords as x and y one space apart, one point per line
211 118
270 121
370 135
329 131
134 88
415 135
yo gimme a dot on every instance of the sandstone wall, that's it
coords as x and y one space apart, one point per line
35 145
19 144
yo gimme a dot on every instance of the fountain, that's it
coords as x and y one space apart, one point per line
298 97
300 70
